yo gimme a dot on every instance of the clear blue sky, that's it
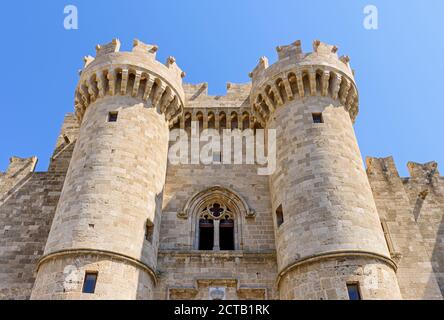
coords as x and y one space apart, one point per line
399 67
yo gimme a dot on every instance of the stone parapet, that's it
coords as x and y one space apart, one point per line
136 73
297 75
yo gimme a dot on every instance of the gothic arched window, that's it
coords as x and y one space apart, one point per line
216 228
217 215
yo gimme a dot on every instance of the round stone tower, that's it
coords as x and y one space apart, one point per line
103 241
329 239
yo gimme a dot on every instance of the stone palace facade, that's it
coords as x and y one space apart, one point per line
112 218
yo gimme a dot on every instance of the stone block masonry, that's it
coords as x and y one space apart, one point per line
113 209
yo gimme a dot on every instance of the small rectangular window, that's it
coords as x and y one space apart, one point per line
89 285
66 139
149 232
353 291
279 216
112 116
317 118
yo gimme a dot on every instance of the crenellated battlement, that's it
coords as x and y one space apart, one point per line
17 171
229 111
297 75
235 91
292 50
423 171
381 166
419 172
136 73
146 49
113 46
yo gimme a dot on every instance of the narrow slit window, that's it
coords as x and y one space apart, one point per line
353 291
89 285
317 118
149 231
112 116
66 139
279 216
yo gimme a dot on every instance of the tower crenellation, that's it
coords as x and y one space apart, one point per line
143 48
297 75
136 73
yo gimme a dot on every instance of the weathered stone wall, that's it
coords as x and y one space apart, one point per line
321 185
414 225
326 199
327 279
117 278
66 140
252 268
25 220
26 212
186 274
116 183
18 170
425 189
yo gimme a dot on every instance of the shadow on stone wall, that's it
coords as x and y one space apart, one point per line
27 209
438 252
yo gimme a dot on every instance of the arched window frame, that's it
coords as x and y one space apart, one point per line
224 196
217 212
